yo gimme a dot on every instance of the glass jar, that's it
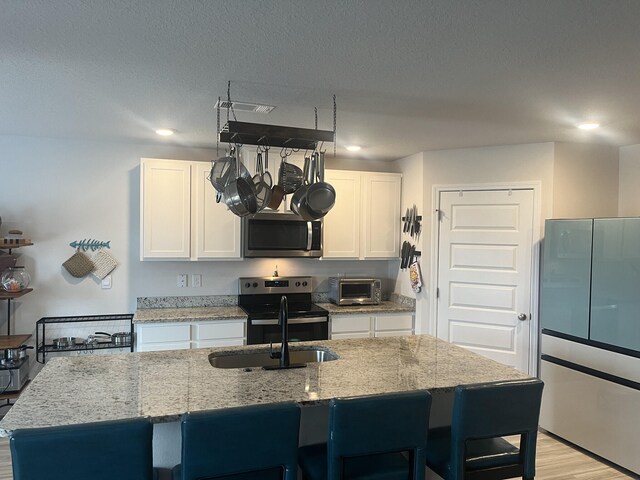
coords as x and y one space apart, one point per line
15 279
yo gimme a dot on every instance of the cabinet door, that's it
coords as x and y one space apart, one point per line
350 326
566 277
381 215
165 209
615 282
341 238
394 324
216 231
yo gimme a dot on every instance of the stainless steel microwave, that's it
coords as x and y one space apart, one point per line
281 235
354 291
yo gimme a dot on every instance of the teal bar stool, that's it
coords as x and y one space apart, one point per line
259 442
120 449
372 438
472 448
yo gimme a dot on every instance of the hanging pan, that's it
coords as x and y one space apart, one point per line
240 194
321 196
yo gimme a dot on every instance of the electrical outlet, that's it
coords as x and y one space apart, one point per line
196 280
182 280
106 282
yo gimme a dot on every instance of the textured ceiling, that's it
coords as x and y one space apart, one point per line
409 75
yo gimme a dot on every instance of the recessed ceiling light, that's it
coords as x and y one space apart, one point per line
165 132
588 126
353 148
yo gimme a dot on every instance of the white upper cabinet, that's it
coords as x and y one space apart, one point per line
179 216
365 221
215 230
380 237
165 209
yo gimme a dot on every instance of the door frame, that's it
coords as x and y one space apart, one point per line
536 186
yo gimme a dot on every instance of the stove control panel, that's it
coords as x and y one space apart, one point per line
260 285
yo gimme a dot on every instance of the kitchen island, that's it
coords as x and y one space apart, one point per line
164 385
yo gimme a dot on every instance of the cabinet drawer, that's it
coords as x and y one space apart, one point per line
342 336
158 333
351 323
223 342
157 347
393 333
218 330
394 322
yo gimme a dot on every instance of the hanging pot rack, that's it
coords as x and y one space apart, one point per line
246 133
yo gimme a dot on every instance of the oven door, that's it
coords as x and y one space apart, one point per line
281 235
300 330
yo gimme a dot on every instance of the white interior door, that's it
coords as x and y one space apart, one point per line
484 273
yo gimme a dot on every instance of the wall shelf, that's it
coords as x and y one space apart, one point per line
42 348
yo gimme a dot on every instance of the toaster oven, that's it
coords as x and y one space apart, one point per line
354 291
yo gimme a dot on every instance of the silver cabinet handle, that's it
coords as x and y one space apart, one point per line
522 317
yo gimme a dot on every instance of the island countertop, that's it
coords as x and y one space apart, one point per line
164 385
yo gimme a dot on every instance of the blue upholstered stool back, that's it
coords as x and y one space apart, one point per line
495 409
237 440
377 424
119 449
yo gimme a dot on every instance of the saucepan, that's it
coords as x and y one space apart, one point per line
13 354
66 342
119 338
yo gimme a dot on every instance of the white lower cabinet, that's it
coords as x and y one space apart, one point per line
219 333
184 335
350 326
379 325
393 325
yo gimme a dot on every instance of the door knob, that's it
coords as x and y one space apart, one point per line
522 317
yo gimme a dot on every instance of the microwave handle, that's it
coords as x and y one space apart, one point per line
309 236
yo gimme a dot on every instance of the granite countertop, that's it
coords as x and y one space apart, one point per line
184 314
383 307
164 385
194 314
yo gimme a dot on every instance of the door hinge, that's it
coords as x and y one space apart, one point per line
437 293
439 213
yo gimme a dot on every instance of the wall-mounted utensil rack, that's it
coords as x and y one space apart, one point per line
247 133
42 348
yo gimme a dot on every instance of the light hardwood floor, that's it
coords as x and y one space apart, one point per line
556 461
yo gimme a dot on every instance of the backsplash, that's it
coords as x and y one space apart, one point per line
188 302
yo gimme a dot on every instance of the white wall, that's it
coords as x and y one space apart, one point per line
412 194
486 165
629 180
585 180
58 191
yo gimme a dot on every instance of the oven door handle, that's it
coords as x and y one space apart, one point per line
292 321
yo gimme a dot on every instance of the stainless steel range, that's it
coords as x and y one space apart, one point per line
13 374
260 299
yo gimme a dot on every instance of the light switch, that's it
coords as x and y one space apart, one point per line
182 280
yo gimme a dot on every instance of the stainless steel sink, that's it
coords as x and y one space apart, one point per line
262 359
